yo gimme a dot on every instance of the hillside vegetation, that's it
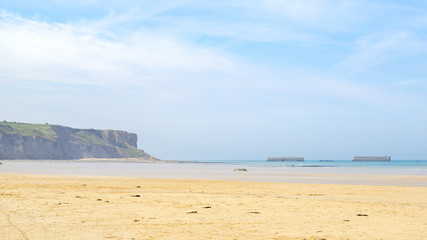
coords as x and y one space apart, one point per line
46 141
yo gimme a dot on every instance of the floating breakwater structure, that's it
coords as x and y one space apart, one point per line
371 158
285 159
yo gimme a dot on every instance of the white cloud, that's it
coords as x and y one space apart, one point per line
170 67
256 31
34 50
379 48
326 13
411 82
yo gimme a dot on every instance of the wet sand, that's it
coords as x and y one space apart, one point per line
82 207
213 171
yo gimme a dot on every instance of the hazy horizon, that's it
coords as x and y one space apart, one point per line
224 80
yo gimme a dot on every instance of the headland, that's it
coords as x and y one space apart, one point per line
47 141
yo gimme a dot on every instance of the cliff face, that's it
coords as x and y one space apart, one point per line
43 141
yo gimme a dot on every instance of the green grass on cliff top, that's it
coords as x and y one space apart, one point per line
45 131
88 138
26 129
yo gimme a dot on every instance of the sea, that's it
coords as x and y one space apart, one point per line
395 164
395 172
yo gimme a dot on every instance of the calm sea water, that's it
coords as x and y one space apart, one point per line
395 164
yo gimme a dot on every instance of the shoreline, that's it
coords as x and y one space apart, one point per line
214 171
58 207
128 160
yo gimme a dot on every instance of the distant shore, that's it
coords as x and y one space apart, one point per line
143 160
136 160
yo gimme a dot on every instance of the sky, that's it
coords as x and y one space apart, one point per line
223 80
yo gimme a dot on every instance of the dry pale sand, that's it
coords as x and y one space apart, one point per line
61 207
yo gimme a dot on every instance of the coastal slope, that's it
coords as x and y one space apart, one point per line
46 141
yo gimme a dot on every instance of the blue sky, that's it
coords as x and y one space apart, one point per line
218 80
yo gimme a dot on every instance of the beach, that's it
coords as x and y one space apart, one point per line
96 207
393 176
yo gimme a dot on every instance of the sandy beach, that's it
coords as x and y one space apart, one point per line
81 207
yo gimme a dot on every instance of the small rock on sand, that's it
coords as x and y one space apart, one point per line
240 170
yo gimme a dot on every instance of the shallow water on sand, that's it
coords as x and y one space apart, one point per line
225 171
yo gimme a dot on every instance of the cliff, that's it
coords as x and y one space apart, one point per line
45 141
